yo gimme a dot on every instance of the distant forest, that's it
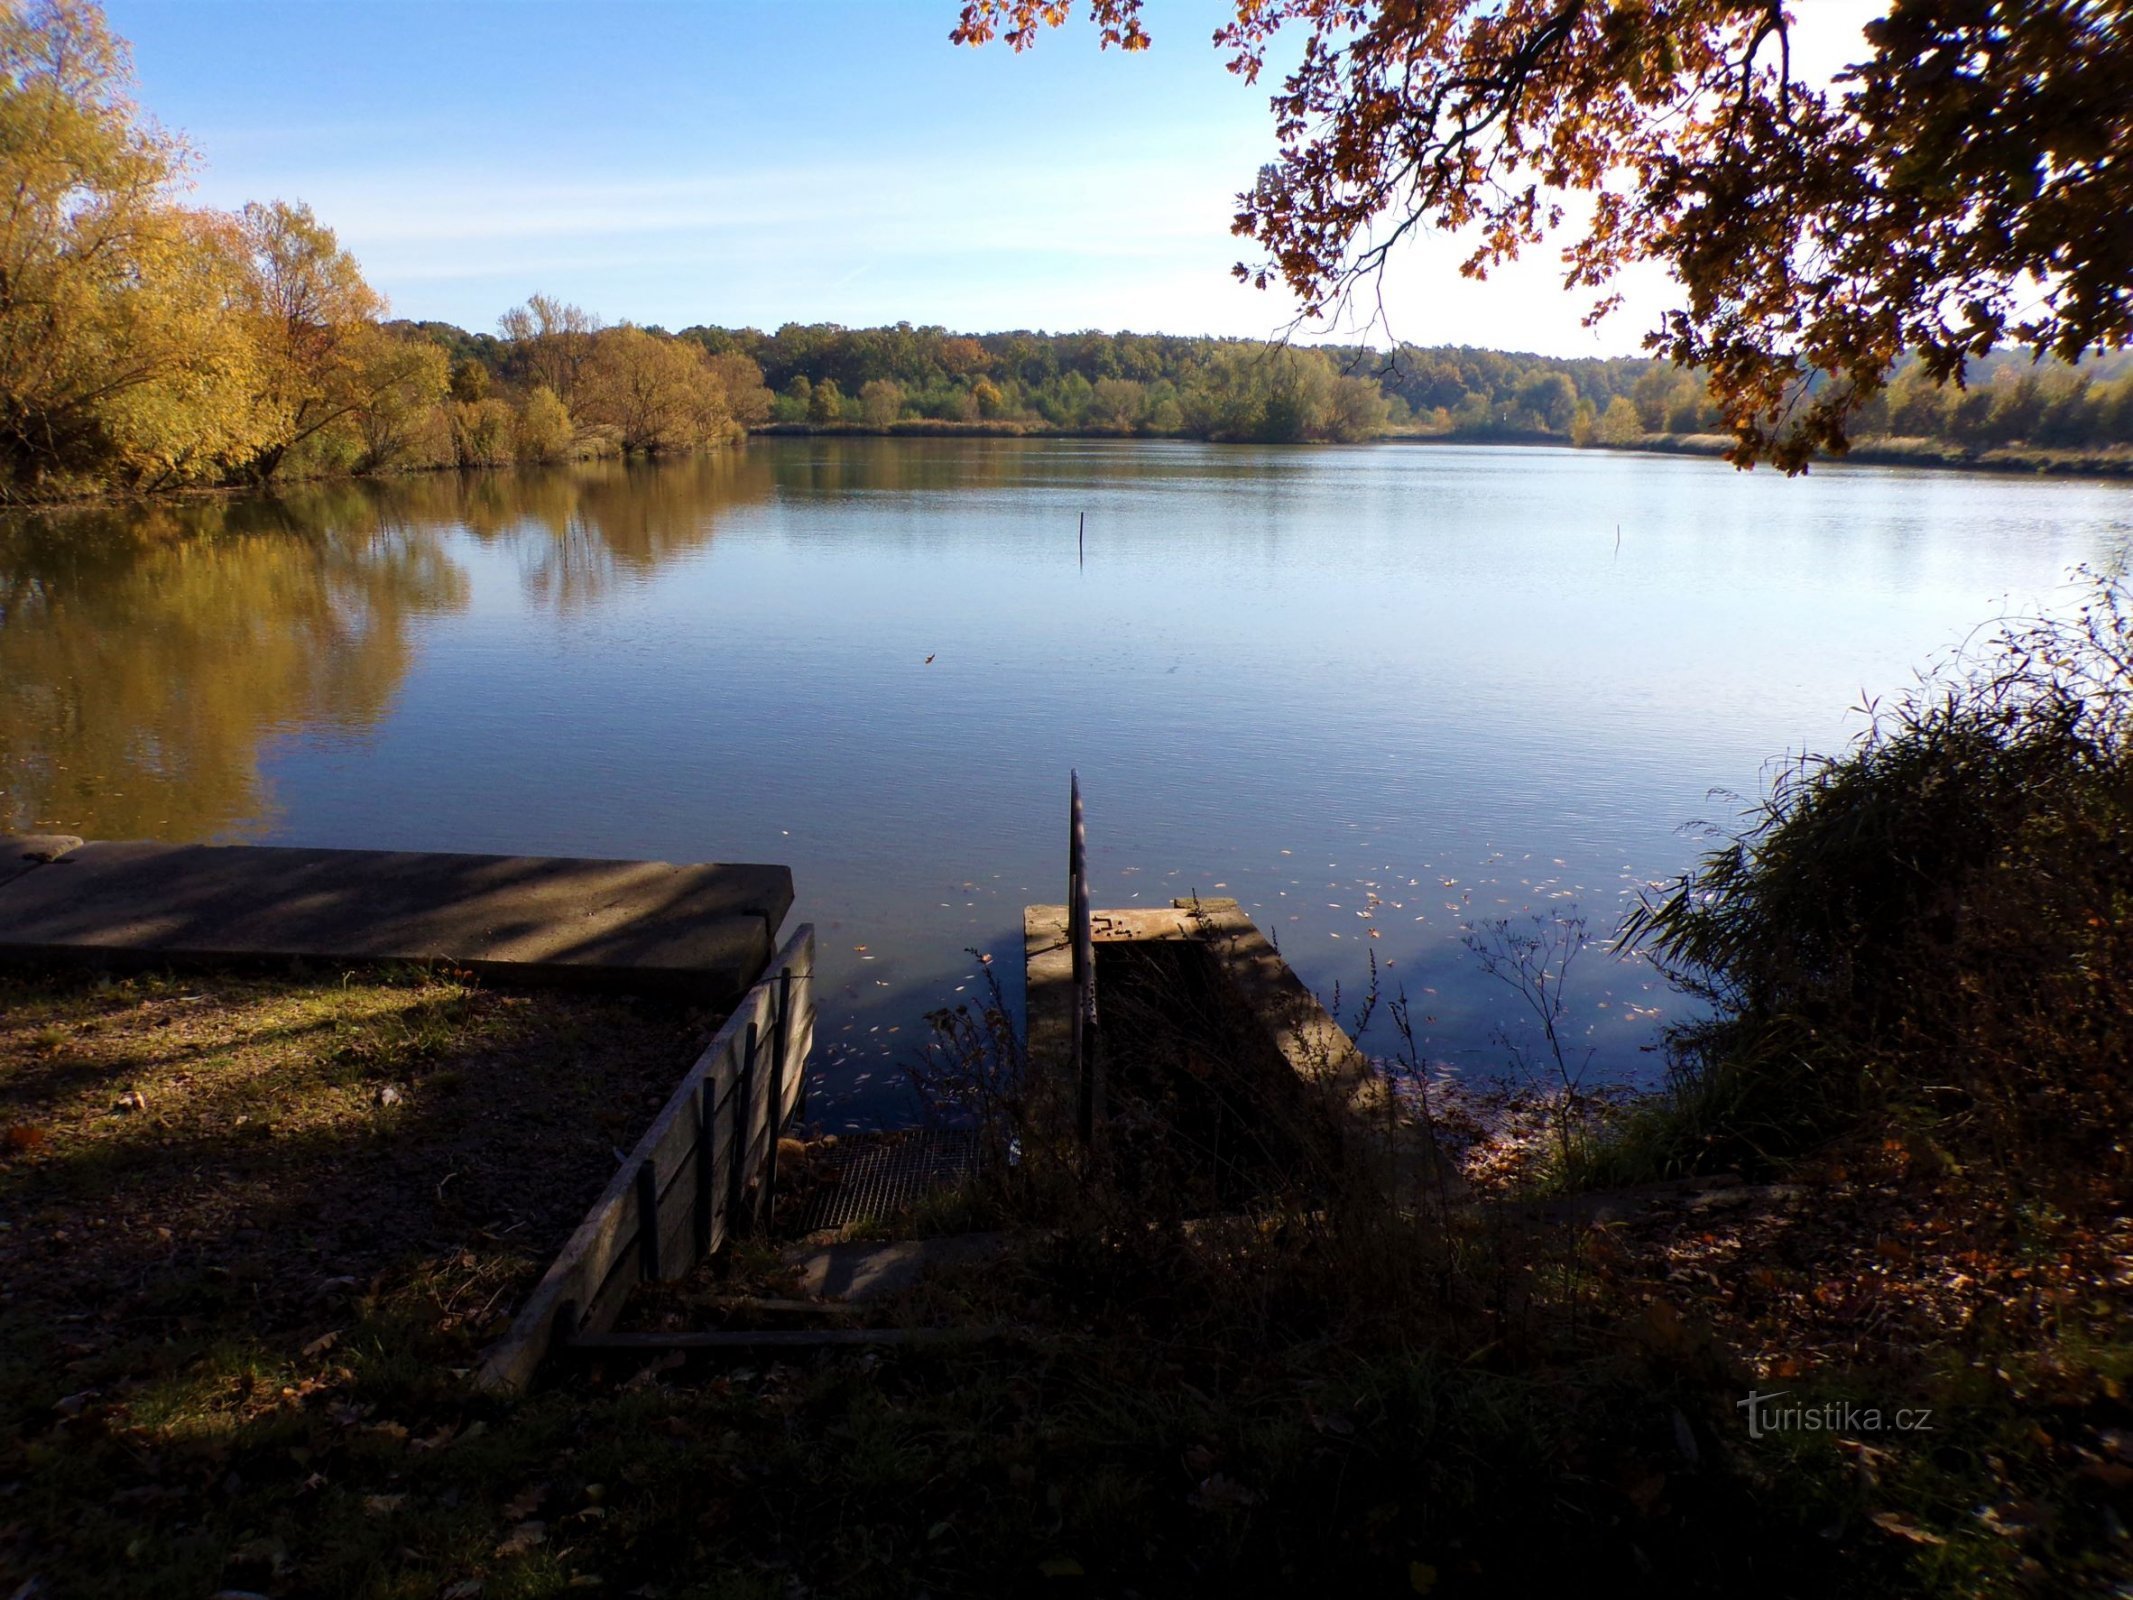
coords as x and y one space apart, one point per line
908 378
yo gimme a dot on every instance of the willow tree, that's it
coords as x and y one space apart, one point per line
552 344
1962 185
107 290
656 394
322 358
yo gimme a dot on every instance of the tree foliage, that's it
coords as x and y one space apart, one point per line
1961 185
147 345
100 292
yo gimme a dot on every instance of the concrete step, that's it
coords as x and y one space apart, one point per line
704 929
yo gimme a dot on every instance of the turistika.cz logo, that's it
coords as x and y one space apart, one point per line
1766 1416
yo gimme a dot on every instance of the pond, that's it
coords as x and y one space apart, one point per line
1383 695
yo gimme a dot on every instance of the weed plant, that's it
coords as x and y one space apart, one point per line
1931 932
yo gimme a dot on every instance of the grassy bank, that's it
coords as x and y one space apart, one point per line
244 1283
236 1213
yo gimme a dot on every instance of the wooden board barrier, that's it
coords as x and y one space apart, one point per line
671 1201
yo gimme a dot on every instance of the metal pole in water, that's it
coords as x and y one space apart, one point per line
1081 542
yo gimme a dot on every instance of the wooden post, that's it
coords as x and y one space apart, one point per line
1088 1086
743 1117
769 1204
647 1221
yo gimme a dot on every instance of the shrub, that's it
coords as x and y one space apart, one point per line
1933 930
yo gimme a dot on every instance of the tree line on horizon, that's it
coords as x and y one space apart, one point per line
828 376
146 345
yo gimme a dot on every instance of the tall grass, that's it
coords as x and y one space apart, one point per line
1932 930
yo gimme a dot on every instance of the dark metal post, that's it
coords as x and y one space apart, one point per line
706 1164
743 1115
647 1221
1087 1080
769 1203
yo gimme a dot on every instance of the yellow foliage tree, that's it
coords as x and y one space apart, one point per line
106 289
322 357
657 394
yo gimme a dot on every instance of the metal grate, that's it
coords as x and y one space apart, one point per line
870 1177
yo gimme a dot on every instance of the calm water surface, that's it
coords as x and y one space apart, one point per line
1379 694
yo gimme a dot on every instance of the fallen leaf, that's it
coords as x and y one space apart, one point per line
1889 1522
522 1538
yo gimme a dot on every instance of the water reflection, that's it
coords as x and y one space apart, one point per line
579 532
148 655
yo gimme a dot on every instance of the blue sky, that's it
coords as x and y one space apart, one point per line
798 160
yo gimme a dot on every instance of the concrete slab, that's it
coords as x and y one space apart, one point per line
25 851
704 929
1314 1045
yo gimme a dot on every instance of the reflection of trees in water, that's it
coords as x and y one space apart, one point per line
834 467
579 531
146 653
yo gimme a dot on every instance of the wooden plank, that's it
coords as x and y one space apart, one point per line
588 1273
604 1307
774 1305
742 1341
677 1219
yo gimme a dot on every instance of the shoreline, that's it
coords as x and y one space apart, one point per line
1881 451
1878 451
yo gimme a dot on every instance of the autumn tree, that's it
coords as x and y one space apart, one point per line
1962 184
553 343
1278 396
403 380
1356 410
739 382
190 413
1117 403
881 402
1549 399
1619 424
321 355
656 394
825 403
545 431
107 290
